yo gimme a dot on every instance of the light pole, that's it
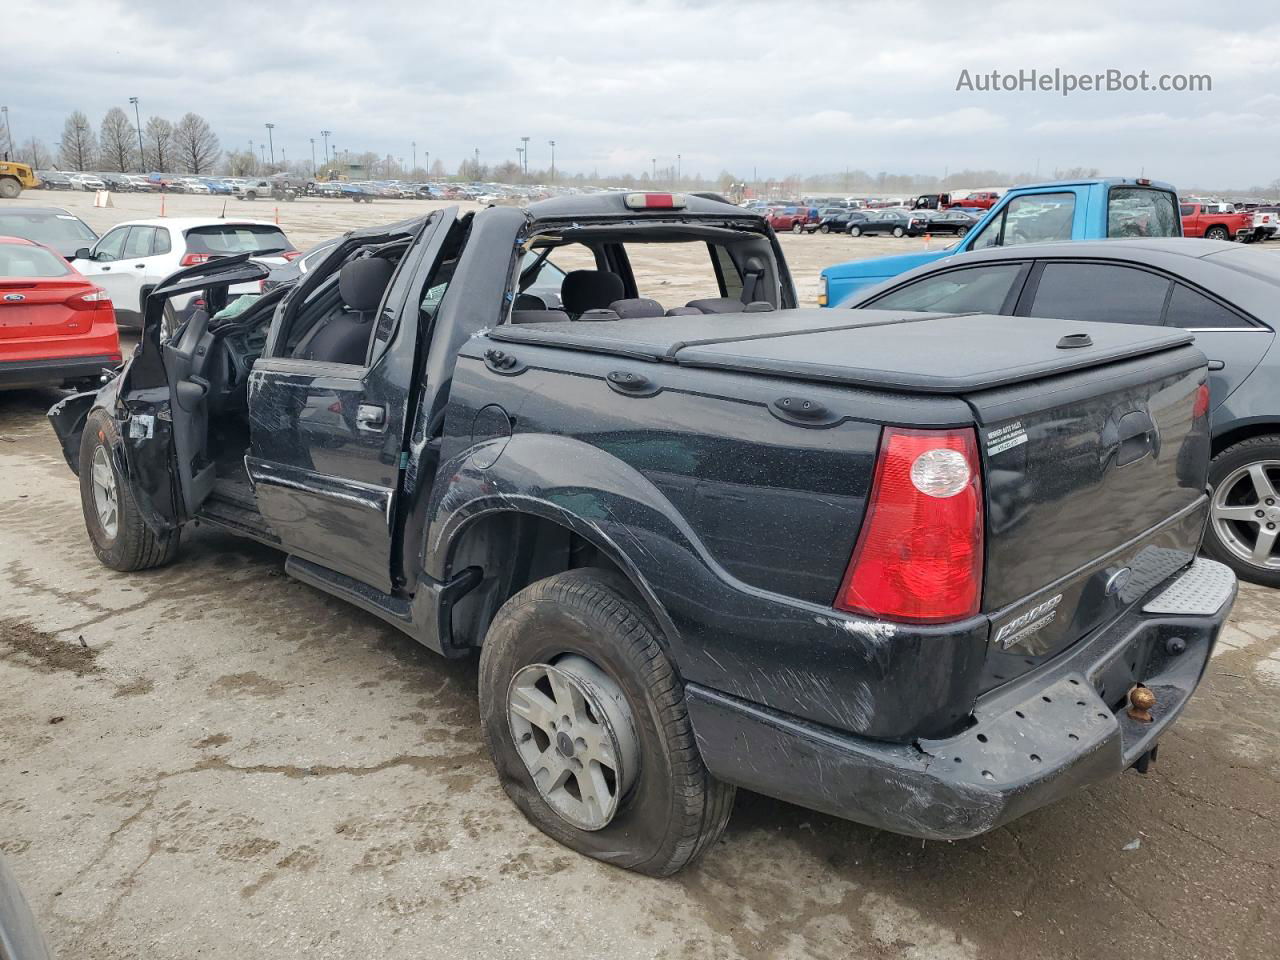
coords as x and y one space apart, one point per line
520 157
142 160
313 156
262 149
271 140
654 175
325 134
253 159
8 134
414 144
426 161
525 141
284 159
678 177
552 144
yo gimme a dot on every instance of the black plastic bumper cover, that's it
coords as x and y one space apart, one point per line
1035 739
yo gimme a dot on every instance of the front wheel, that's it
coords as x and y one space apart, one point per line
116 529
898 232
9 188
961 231
824 228
855 231
585 718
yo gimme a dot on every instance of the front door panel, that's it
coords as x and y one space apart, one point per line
324 474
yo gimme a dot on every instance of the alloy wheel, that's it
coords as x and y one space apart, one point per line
1246 513
572 728
105 494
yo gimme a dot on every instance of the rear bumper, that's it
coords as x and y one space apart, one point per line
1033 740
54 370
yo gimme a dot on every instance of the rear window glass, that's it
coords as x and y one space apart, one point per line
1196 311
1102 292
20 260
56 230
1139 212
233 238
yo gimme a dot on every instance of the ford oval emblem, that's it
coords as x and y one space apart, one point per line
13 298
1118 581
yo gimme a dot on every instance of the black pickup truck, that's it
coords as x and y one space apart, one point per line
924 571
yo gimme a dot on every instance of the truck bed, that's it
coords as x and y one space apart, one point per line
877 349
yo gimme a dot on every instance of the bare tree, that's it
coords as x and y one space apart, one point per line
79 147
117 141
437 168
159 145
35 153
197 147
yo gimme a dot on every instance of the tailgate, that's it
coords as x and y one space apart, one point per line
1096 493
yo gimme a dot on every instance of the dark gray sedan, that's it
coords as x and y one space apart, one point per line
1229 294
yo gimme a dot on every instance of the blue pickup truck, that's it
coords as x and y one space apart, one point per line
1062 210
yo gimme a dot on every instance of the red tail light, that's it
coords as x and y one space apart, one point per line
291 255
93 300
191 259
1202 401
919 555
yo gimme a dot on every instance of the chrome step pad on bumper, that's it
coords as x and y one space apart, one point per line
1201 591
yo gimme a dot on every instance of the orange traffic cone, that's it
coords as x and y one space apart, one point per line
162 204
927 240
277 216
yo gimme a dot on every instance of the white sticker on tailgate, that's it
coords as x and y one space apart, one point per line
1005 438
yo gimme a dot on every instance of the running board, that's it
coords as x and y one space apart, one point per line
427 616
236 519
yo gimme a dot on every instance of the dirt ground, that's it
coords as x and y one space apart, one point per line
213 760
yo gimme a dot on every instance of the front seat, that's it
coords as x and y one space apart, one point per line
344 337
584 290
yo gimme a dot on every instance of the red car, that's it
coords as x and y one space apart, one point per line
55 326
792 218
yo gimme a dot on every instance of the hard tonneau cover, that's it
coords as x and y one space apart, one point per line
880 349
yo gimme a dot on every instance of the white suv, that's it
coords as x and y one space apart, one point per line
131 258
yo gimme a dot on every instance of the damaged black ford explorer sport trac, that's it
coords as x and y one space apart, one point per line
927 572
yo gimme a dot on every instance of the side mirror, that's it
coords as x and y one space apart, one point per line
82 254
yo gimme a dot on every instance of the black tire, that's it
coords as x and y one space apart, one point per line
251 195
855 231
674 810
797 228
169 323
10 188
898 231
134 546
1230 460
825 228
1217 233
961 231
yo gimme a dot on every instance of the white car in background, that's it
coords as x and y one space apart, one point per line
195 185
131 258
86 181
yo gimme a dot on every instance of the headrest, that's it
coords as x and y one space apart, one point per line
717 305
600 314
362 282
538 316
758 306
529 301
636 307
684 312
590 289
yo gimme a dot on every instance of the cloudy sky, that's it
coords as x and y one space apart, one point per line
804 86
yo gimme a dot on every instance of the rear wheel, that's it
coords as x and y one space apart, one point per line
898 231
1217 233
961 231
1244 515
9 188
585 718
855 231
119 536
824 228
797 227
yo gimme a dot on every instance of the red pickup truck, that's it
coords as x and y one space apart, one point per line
986 199
1217 221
